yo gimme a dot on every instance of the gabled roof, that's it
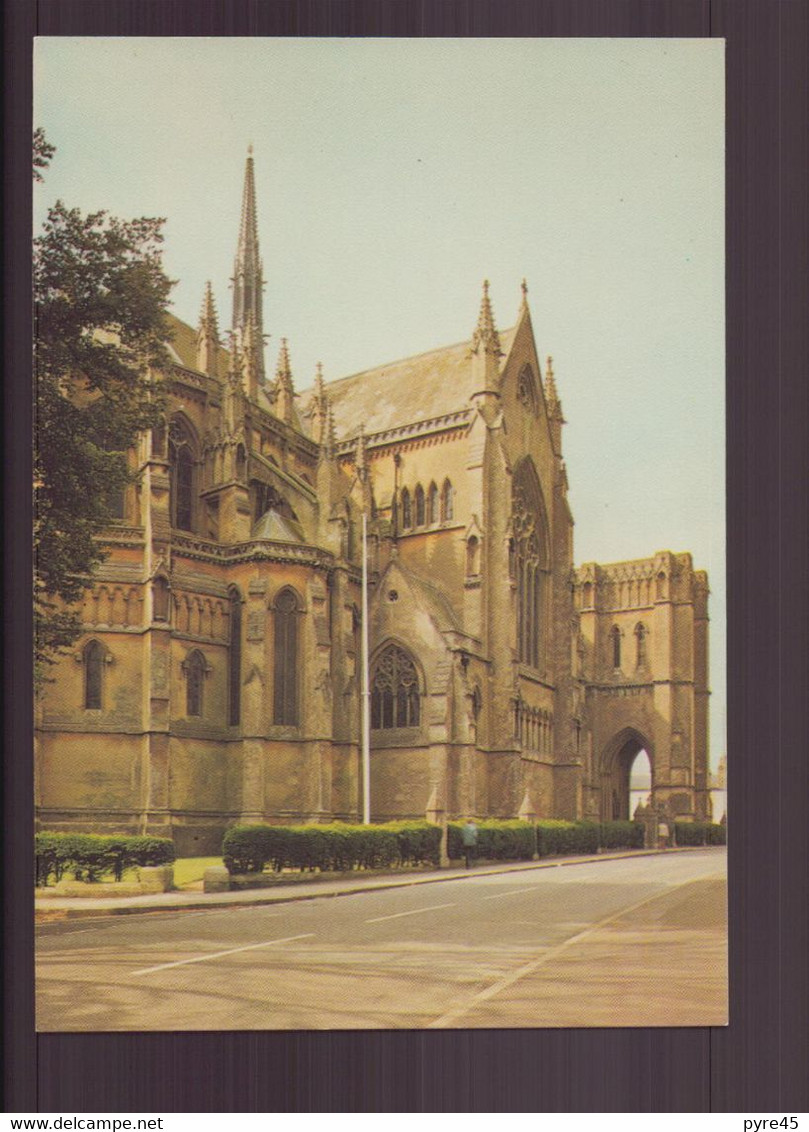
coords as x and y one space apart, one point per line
183 347
419 388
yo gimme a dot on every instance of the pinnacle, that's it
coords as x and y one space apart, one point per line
486 331
283 370
207 315
550 381
320 390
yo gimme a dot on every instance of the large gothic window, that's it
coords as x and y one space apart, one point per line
529 563
285 698
395 697
93 657
235 659
182 463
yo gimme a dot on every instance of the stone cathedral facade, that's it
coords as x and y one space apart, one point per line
218 677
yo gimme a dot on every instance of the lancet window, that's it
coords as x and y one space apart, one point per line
93 659
641 632
447 507
285 696
235 659
529 563
395 698
195 669
419 506
615 646
407 511
432 504
182 464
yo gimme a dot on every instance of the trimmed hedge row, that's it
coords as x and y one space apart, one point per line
339 847
336 847
699 833
89 856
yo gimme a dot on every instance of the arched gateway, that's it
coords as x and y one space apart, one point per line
644 649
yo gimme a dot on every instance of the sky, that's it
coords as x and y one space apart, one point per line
394 175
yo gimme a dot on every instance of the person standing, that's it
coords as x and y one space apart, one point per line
469 837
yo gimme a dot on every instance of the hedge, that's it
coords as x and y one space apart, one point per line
497 840
89 856
557 838
699 833
621 835
336 847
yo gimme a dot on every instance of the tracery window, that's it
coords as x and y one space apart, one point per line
285 695
93 659
182 464
419 506
407 511
432 504
641 633
195 669
529 563
615 641
446 502
235 659
395 699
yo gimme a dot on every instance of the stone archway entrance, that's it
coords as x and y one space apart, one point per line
615 770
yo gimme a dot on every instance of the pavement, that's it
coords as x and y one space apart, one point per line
294 888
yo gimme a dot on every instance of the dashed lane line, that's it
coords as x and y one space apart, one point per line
221 954
414 912
513 892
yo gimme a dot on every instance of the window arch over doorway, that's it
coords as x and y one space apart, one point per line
395 696
529 562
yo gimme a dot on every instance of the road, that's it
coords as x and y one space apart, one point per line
631 942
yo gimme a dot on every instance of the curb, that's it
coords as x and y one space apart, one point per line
263 897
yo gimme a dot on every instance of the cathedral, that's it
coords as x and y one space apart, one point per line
219 677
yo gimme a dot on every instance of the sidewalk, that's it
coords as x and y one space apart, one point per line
303 889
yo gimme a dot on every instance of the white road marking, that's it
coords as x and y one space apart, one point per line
513 892
415 912
528 969
220 954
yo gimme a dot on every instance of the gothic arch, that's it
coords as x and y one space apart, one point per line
183 472
614 768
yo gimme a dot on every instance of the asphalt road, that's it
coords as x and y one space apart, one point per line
636 941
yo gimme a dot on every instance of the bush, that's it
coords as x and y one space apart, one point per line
497 840
622 835
559 838
335 847
89 856
699 833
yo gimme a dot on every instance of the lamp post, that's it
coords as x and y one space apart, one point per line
366 691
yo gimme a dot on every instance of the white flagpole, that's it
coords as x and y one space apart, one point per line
366 692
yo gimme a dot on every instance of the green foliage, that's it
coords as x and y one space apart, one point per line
566 838
622 835
43 152
699 833
497 840
100 299
90 856
337 847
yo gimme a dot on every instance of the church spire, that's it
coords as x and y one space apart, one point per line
485 334
248 282
207 335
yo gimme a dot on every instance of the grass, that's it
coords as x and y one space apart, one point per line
189 870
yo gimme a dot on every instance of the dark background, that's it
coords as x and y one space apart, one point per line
759 1063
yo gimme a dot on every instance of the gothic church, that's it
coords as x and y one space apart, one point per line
218 678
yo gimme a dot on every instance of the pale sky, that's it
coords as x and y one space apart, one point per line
393 176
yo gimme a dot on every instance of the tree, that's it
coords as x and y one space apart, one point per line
100 299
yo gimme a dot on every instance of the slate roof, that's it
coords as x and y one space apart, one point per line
413 389
183 347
